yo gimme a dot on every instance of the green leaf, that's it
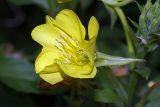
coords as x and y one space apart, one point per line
106 96
152 47
101 77
18 74
143 71
118 87
108 60
139 6
134 23
113 15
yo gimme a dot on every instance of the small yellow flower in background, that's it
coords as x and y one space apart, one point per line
65 51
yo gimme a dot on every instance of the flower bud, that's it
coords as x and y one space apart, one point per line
149 23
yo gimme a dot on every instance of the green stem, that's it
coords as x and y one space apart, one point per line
144 98
127 31
131 51
117 3
118 87
131 86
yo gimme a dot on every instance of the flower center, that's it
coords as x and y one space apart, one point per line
71 52
82 58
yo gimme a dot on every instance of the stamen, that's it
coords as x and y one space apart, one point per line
59 46
70 41
62 61
69 54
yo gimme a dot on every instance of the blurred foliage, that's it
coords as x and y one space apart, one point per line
18 74
21 87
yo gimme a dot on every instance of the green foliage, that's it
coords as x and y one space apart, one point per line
149 25
106 95
18 74
143 71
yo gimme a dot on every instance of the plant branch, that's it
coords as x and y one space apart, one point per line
127 31
131 51
144 98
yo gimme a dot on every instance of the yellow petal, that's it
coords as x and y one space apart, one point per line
89 49
93 73
93 28
76 71
45 35
49 19
69 22
51 36
45 62
52 78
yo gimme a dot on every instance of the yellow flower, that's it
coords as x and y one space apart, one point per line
66 51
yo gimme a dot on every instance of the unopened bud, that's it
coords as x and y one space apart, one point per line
149 22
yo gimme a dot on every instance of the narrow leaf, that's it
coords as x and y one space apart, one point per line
139 6
143 71
108 60
113 15
134 23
